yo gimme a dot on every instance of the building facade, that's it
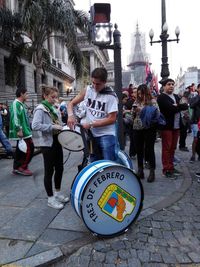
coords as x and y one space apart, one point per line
59 72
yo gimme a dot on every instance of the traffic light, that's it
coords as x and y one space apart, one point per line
100 24
100 13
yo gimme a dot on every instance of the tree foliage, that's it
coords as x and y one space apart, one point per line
38 20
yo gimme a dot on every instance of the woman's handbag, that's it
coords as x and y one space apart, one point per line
137 123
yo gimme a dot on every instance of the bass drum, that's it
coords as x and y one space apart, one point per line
107 196
124 159
71 139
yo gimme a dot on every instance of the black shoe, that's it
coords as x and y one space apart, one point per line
151 177
170 175
140 173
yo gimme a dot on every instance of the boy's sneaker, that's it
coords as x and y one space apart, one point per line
54 203
25 172
197 174
176 172
170 175
192 159
61 198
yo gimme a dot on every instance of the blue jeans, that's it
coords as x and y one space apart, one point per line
4 140
104 148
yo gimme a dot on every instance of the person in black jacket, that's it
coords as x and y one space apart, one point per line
170 107
195 107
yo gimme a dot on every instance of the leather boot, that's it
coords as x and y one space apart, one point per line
151 177
140 173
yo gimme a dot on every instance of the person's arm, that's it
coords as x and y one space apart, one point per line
110 119
71 118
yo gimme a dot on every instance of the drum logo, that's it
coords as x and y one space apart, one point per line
116 202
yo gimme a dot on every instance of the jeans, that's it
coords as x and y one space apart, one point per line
4 140
104 148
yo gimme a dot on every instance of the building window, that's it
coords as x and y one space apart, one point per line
16 77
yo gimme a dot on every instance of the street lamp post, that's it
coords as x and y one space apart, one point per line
118 82
164 40
116 47
102 37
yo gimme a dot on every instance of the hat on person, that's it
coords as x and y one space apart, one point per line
165 81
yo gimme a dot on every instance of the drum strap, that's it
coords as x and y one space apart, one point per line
85 150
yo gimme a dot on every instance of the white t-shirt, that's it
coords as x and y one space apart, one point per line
98 106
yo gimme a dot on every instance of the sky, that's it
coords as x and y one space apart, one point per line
147 13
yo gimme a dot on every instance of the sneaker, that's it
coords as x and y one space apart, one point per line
61 198
25 172
197 174
176 172
170 175
184 149
192 159
53 203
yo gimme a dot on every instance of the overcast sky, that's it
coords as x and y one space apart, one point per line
147 13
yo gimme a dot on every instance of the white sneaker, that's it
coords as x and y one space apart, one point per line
53 203
59 197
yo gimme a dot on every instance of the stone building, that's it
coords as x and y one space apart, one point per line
59 72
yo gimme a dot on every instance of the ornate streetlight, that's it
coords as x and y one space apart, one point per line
164 40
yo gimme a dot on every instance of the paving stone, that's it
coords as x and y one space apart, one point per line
118 245
98 256
95 263
34 220
143 255
195 256
53 237
111 257
157 233
124 254
7 213
168 258
134 262
12 250
155 257
67 219
40 259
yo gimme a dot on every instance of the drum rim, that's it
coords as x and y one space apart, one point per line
127 157
73 150
87 180
136 216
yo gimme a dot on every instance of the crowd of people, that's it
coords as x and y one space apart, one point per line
146 117
181 114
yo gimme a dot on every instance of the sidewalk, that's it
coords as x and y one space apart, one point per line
32 234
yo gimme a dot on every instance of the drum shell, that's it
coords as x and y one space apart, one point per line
87 197
71 140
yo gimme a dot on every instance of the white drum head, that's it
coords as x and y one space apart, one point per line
71 140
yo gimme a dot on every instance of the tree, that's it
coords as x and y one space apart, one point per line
39 20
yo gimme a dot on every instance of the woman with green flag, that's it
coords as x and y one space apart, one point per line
47 120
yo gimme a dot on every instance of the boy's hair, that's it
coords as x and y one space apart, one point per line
100 73
20 91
